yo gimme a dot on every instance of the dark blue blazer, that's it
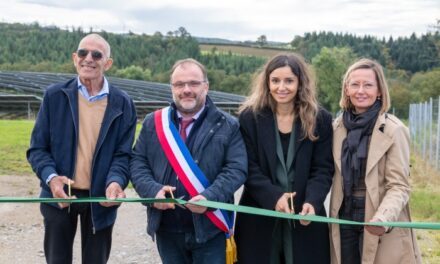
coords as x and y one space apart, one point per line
54 141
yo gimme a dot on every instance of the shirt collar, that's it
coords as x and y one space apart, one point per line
102 94
195 117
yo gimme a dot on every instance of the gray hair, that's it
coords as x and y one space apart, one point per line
99 38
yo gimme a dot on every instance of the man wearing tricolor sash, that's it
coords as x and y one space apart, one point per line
195 151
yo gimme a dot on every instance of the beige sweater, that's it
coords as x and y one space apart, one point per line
91 115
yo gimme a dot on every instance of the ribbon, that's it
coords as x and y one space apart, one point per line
228 207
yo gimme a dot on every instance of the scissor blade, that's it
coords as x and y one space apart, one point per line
180 198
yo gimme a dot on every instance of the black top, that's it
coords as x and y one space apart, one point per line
285 138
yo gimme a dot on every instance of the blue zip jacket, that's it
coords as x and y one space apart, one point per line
54 141
219 151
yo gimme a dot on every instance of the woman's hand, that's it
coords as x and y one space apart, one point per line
308 209
283 204
375 230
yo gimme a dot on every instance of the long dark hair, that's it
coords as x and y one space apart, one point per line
305 103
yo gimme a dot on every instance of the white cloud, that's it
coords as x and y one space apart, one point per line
279 20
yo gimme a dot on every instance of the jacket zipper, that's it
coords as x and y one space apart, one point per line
93 167
76 139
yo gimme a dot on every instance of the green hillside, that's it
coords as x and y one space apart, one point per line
412 63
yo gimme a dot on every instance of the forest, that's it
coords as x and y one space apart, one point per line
412 63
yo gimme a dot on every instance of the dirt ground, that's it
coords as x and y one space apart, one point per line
21 228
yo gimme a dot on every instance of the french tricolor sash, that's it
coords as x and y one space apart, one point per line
189 173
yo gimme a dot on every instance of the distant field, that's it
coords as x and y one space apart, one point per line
240 50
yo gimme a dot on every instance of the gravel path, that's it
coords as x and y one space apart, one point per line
21 228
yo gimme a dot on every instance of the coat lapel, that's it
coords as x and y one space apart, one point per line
113 110
298 138
265 124
210 123
379 144
339 134
71 91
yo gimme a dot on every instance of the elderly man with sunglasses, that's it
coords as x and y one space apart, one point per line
80 147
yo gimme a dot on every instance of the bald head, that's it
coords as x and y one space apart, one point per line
96 38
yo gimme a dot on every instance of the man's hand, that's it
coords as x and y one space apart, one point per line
308 209
197 209
56 185
283 203
161 195
112 192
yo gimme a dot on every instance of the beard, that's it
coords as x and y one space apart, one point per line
190 104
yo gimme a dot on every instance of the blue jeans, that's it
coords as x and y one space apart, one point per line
175 248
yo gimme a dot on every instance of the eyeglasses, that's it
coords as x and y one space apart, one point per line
96 55
191 84
365 86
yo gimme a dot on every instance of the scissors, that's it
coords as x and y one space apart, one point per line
292 207
69 190
181 197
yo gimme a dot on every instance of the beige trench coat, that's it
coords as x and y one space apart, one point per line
387 196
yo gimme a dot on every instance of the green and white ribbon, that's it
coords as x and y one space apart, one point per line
228 207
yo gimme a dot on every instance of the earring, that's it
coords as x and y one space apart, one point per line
379 98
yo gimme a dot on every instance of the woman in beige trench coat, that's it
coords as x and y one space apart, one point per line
371 152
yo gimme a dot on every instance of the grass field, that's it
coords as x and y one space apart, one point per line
241 50
425 206
425 199
14 141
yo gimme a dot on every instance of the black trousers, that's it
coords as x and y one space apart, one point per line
60 228
352 236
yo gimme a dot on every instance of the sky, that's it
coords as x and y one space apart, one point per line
278 20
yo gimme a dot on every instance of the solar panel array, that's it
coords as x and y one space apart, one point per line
148 96
37 82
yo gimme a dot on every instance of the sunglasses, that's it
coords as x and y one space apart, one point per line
96 55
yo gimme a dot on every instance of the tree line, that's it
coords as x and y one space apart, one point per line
412 63
412 53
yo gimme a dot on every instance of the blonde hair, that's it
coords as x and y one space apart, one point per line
305 103
364 63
